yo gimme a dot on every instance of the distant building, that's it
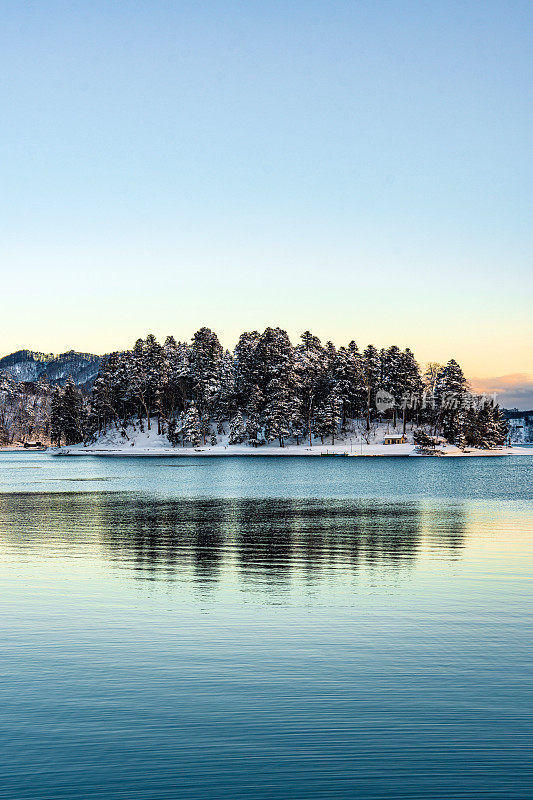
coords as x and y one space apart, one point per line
520 426
395 438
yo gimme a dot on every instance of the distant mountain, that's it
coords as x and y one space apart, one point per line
29 366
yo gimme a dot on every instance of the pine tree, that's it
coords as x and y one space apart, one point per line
253 423
73 414
176 391
190 427
247 377
67 415
310 342
346 373
56 417
205 367
411 383
225 405
296 424
392 377
278 382
328 416
154 365
371 378
450 392
501 426
486 426
422 439
204 427
311 379
106 407
173 432
237 429
277 412
138 388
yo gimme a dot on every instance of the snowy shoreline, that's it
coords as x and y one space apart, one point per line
135 443
367 451
290 451
150 444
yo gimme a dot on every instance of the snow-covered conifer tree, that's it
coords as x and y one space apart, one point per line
311 379
328 416
246 363
279 384
410 381
190 427
392 377
205 366
451 389
253 423
56 417
73 413
237 429
67 415
225 402
371 372
204 427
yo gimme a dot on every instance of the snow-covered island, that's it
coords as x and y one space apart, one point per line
266 398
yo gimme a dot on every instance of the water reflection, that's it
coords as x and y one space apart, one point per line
194 648
266 541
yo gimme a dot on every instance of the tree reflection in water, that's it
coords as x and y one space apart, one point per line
263 541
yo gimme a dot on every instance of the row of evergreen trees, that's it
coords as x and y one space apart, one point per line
267 390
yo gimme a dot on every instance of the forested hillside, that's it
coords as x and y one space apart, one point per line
27 365
25 411
271 390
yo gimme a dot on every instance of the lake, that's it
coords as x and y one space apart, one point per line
265 628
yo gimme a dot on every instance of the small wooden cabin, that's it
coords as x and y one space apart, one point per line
395 438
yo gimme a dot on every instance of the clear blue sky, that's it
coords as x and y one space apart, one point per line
362 169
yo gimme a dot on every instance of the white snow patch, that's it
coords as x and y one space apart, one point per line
150 443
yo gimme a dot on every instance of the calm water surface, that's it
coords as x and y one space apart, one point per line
261 628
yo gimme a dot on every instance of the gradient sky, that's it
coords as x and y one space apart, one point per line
362 169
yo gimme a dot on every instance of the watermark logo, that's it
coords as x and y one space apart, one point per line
384 401
447 401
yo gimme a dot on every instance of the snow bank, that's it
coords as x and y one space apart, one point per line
150 444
